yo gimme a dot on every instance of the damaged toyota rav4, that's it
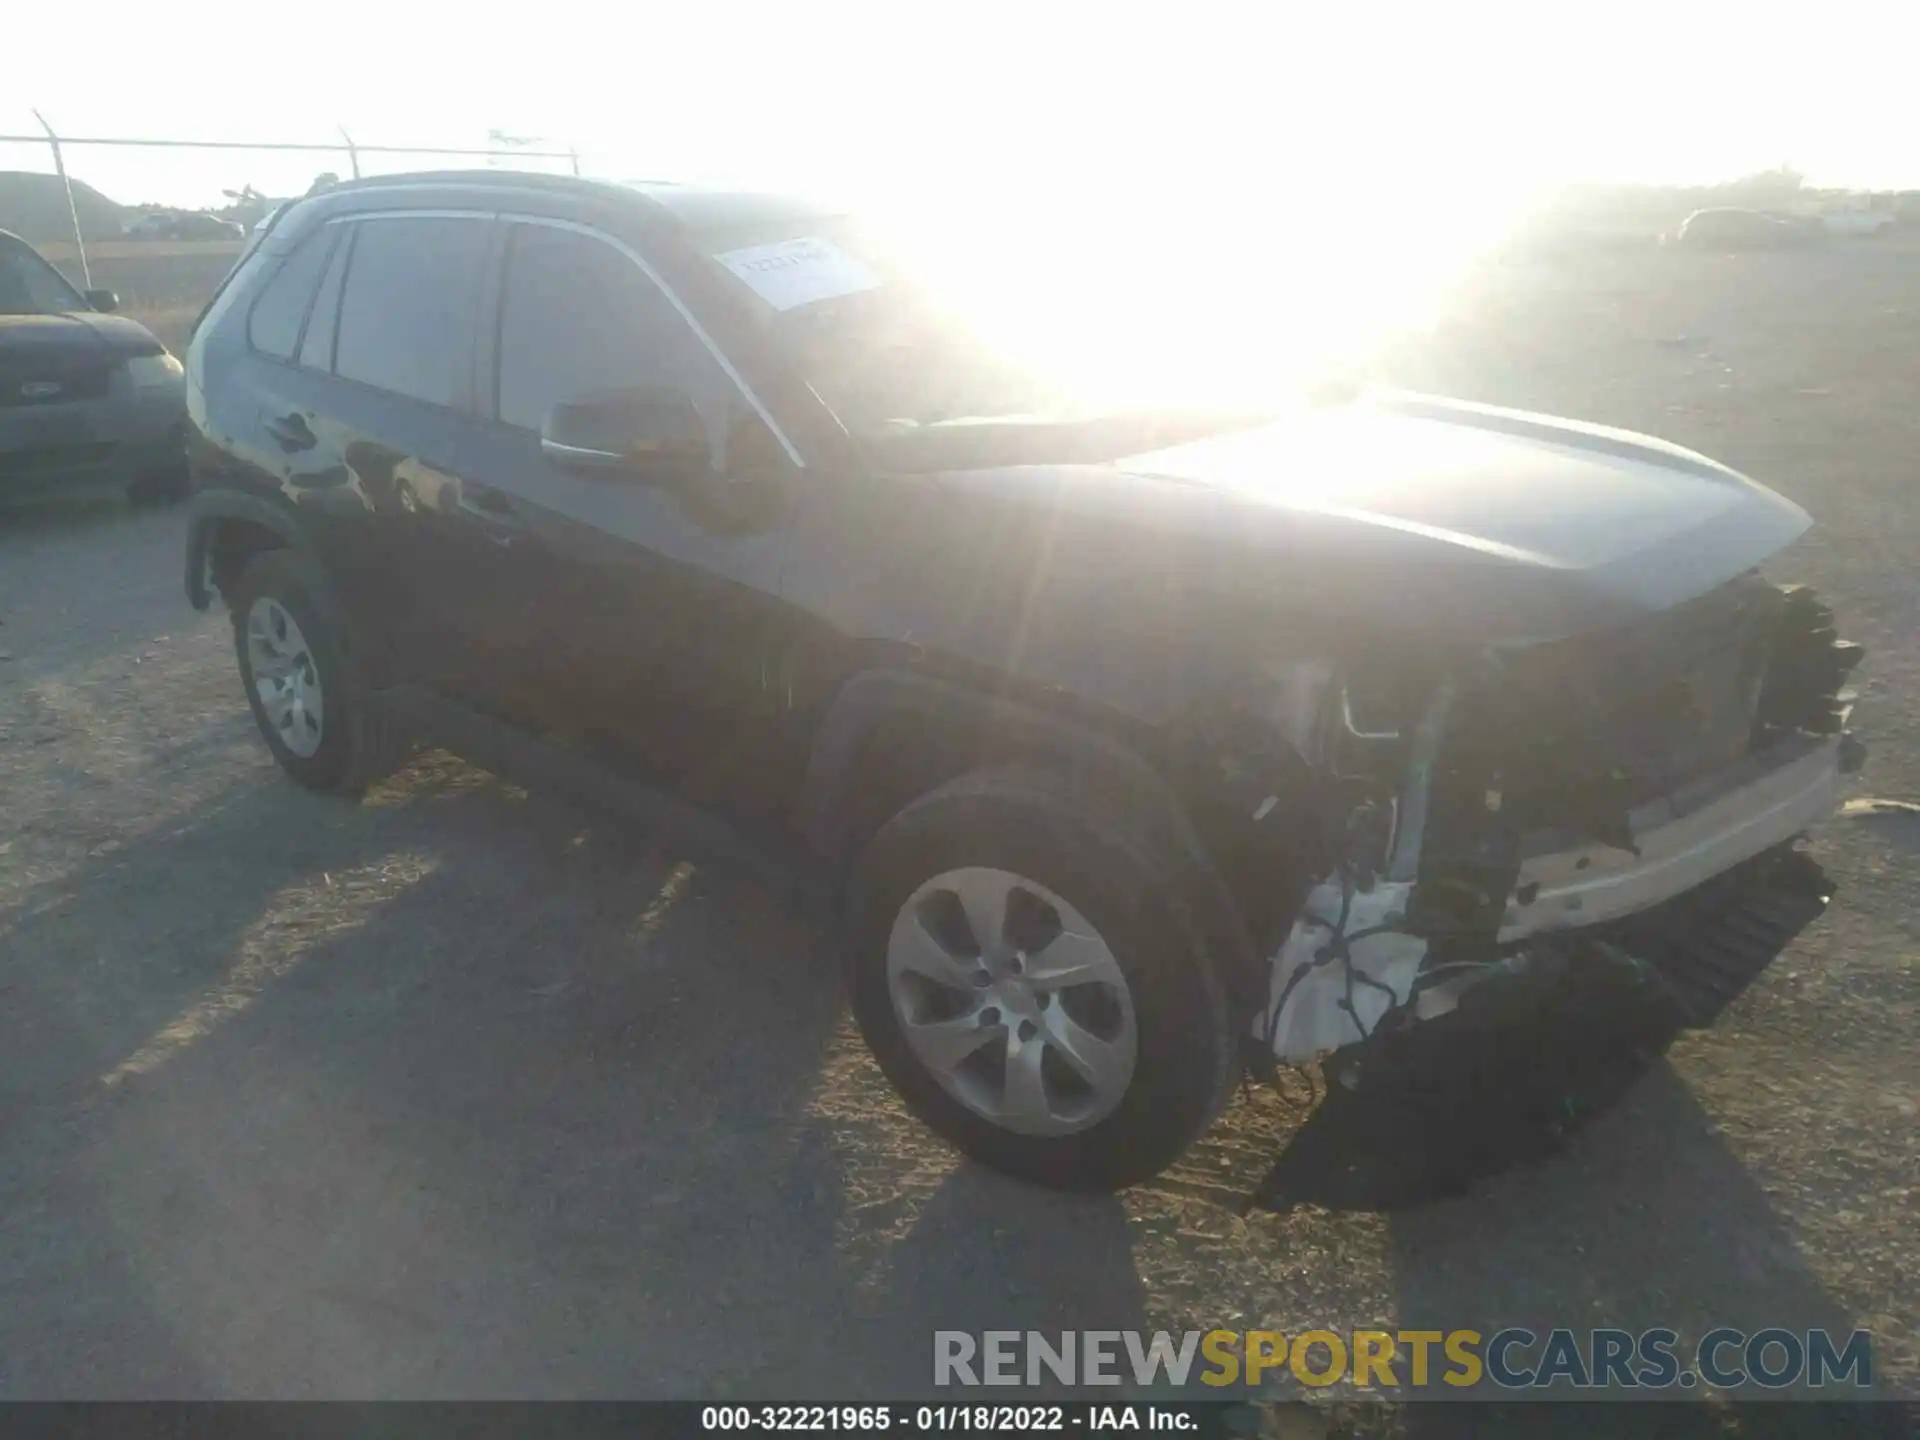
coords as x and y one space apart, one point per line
1136 748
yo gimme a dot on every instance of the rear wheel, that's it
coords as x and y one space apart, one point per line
289 643
1028 977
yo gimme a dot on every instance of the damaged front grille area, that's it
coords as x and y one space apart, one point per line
1808 668
1559 745
1624 715
1526 763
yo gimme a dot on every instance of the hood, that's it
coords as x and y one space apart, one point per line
1447 521
74 334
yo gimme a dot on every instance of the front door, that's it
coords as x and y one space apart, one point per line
641 615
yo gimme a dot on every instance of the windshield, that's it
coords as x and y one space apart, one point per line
30 286
881 346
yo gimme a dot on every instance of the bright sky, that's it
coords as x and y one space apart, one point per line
1247 148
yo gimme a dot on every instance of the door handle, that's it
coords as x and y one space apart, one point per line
291 432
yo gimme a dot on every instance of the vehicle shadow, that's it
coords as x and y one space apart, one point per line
467 1092
141 951
470 1093
989 1253
1543 1149
1649 1218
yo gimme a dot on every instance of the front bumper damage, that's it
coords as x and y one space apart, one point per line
1482 846
1684 841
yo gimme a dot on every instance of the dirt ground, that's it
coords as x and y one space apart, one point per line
468 1091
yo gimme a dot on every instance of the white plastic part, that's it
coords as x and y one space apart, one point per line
1316 1017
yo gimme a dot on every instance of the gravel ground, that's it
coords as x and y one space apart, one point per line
466 1091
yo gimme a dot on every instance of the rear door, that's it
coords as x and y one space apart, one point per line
391 412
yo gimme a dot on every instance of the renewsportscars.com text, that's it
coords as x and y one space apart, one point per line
1408 1360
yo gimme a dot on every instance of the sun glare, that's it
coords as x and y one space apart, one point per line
1224 299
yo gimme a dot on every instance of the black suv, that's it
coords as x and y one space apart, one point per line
1136 747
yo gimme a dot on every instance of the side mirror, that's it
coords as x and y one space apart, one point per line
103 300
646 434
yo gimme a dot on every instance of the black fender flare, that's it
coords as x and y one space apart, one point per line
207 509
1003 728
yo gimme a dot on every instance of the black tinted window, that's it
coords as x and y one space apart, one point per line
579 316
274 325
316 346
30 286
406 315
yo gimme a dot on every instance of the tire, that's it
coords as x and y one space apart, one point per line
1080 863
355 743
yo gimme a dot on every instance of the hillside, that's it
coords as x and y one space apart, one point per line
34 207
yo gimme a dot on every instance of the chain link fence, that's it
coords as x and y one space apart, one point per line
352 151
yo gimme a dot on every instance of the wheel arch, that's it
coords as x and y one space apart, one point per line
225 529
890 736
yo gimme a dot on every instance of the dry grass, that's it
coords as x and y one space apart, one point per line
161 283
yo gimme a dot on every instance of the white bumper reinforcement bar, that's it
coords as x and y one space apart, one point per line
1683 840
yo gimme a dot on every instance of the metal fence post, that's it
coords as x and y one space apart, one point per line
353 152
574 155
73 210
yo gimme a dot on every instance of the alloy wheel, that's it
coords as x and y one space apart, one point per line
1012 1001
285 676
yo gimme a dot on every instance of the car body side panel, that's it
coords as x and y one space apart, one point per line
625 618
919 573
340 459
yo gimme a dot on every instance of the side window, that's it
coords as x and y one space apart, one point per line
406 314
316 345
273 325
577 316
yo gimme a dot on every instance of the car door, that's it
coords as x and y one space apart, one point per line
393 338
631 619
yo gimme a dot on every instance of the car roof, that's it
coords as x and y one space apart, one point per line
694 207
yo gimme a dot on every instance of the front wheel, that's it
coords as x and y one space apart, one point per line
1029 979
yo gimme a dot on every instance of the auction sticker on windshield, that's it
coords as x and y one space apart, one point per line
788 273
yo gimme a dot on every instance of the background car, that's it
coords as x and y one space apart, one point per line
183 225
88 399
1729 228
154 225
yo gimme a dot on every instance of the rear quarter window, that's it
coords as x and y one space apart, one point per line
316 344
273 325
